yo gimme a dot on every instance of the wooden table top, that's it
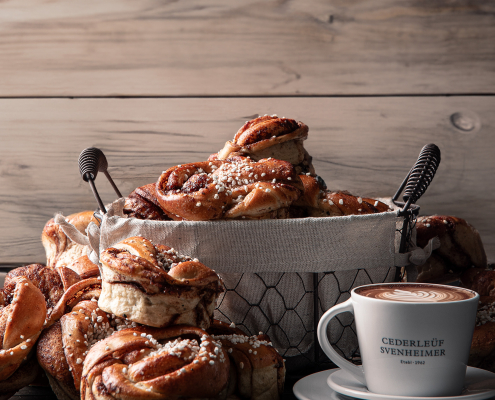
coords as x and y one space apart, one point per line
45 392
155 84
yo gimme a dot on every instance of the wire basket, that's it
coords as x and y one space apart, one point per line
288 305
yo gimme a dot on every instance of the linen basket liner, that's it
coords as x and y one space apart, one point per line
267 265
284 245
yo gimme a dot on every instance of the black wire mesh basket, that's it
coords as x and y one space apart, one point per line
300 298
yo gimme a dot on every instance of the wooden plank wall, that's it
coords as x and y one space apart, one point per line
215 48
156 83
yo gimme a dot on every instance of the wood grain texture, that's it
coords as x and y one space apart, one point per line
364 145
195 48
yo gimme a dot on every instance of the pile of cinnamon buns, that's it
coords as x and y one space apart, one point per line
140 324
264 173
142 329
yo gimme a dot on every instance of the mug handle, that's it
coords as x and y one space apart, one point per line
356 371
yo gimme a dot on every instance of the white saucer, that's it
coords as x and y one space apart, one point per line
315 387
480 384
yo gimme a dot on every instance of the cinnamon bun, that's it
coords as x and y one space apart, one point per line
259 369
63 346
270 136
235 188
179 362
460 247
61 250
22 319
156 286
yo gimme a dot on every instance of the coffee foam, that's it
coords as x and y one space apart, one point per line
415 293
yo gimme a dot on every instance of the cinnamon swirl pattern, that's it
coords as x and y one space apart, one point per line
270 136
143 204
264 173
142 363
259 369
21 322
52 282
262 132
63 346
156 286
231 189
61 250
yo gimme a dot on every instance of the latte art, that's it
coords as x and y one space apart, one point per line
419 296
415 293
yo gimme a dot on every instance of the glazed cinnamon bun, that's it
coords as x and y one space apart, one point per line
22 319
178 362
235 188
270 136
156 286
61 250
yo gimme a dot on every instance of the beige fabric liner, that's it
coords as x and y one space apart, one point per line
266 265
284 245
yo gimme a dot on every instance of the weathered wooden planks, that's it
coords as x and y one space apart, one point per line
365 145
191 48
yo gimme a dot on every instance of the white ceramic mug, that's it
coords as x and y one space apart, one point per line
409 347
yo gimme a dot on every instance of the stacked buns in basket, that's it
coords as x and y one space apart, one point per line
140 324
143 329
264 173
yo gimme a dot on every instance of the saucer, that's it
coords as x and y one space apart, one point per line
479 384
315 387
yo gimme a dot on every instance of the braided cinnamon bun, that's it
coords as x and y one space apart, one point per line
259 369
84 267
154 285
178 362
142 203
61 250
21 321
235 188
270 136
317 201
460 247
52 282
63 346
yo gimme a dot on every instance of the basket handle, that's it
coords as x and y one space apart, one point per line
419 178
91 161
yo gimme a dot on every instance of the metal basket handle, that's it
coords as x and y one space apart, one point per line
419 178
91 161
416 182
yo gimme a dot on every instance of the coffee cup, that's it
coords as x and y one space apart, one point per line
414 338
